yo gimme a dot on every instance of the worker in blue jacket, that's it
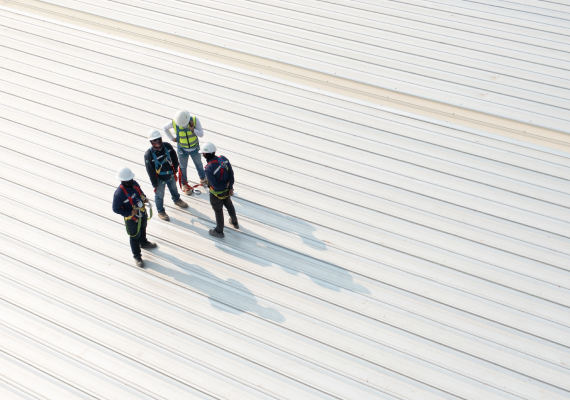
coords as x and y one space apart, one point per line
220 177
129 201
161 164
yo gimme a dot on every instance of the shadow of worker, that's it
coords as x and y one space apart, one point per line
303 229
298 261
224 295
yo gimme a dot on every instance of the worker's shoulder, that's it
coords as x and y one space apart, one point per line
168 146
119 192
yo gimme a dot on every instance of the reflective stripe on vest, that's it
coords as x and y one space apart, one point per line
186 138
158 165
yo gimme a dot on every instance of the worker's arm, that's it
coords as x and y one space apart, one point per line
143 196
119 206
166 128
211 178
149 164
173 157
198 131
231 173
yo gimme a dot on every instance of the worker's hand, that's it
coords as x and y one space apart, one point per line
133 212
191 125
146 200
231 192
174 140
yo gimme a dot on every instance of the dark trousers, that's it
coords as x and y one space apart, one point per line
218 206
139 237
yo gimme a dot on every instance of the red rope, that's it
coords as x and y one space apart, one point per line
181 178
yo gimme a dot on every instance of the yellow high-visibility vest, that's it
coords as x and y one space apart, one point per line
186 138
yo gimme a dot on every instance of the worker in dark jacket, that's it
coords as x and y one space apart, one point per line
161 164
129 201
220 177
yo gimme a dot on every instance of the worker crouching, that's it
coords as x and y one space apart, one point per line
161 164
129 201
220 177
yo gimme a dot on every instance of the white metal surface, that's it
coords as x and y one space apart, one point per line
355 40
444 275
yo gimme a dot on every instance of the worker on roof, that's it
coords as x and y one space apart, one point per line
220 176
161 164
129 201
187 129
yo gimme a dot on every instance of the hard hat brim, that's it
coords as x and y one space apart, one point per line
154 134
124 178
207 146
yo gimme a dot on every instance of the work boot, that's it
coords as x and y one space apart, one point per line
164 216
187 190
215 233
139 262
181 203
148 245
204 183
232 223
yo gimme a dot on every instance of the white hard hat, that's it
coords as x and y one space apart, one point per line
181 118
207 148
125 174
154 134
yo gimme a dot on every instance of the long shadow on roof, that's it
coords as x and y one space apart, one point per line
225 295
267 253
248 245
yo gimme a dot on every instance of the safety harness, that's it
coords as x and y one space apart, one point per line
158 165
222 167
138 217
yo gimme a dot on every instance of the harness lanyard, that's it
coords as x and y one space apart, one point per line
181 178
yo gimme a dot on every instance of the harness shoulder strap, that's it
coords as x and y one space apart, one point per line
167 154
130 201
156 163
223 166
127 194
138 189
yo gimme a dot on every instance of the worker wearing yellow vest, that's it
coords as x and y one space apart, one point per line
187 129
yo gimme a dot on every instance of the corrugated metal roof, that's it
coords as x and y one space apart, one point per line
476 56
381 254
